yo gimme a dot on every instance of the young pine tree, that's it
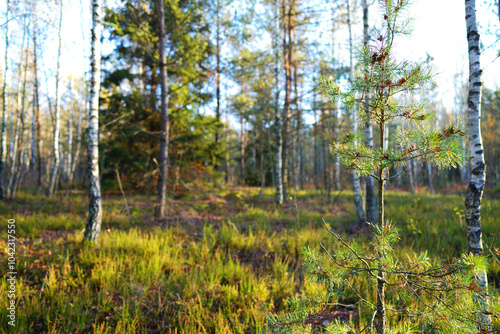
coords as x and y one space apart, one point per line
418 294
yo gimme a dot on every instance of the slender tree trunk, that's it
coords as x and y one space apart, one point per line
226 133
287 51
165 128
475 189
429 178
74 163
336 167
3 133
355 174
57 125
399 171
36 105
14 140
414 167
315 145
277 114
242 144
381 318
369 183
324 160
15 173
262 169
299 166
411 176
93 226
217 79
69 149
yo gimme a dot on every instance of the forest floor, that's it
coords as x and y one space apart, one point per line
218 264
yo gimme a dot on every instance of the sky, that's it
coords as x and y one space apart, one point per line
439 30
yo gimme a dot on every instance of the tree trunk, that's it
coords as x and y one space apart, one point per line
57 125
355 174
429 178
15 174
277 114
69 149
93 226
14 134
381 318
315 145
227 177
475 189
336 167
370 187
36 105
217 79
287 51
36 149
299 165
3 134
411 178
74 163
242 144
262 170
165 126
463 169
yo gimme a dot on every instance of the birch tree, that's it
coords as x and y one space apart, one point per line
370 192
475 188
3 133
57 117
36 141
164 134
93 226
277 114
355 174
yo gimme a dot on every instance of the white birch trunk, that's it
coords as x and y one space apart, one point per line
475 188
355 174
93 226
14 133
69 144
277 114
57 121
78 145
370 185
15 173
463 169
3 133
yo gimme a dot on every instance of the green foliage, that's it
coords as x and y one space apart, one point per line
389 84
130 91
428 295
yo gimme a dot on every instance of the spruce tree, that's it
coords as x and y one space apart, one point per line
417 293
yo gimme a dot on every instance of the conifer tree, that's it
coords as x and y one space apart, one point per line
418 291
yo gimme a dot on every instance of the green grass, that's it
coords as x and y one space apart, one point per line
218 265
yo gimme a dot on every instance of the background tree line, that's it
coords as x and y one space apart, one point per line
234 69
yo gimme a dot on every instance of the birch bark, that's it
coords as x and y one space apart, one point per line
14 133
16 158
94 219
475 188
3 133
355 174
277 114
57 125
370 193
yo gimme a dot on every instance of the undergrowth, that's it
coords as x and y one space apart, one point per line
217 265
